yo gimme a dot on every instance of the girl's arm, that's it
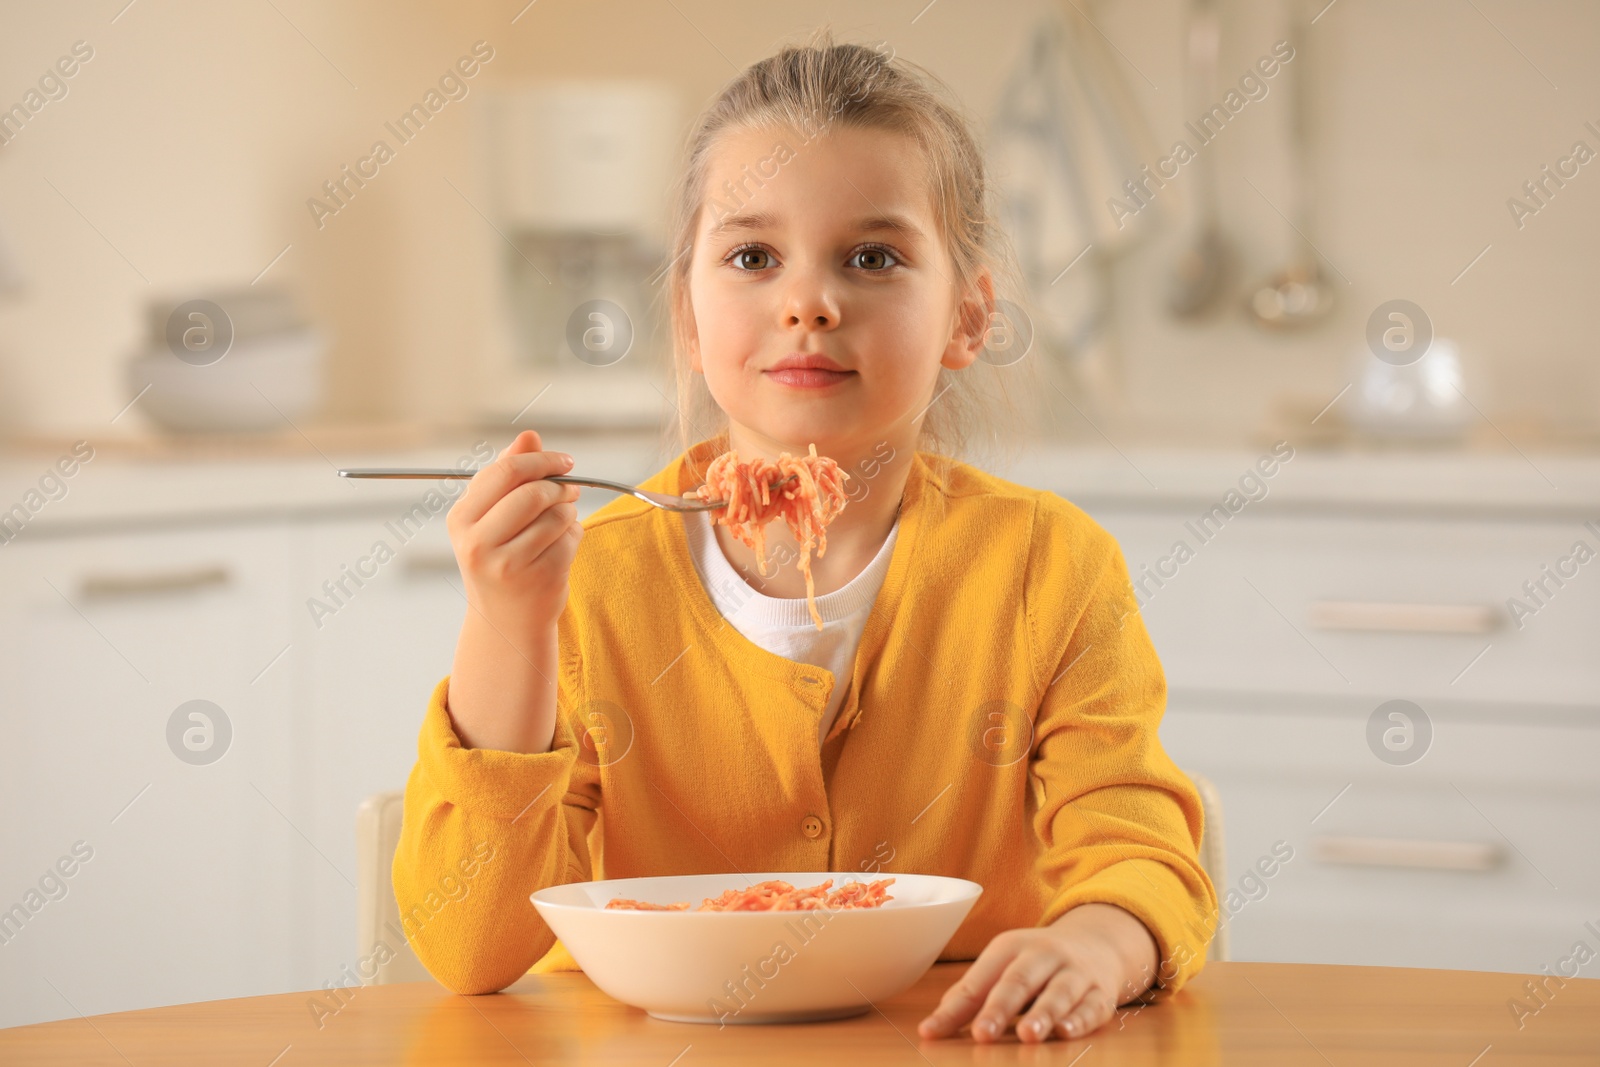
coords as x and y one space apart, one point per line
491 810
503 690
482 831
1119 822
515 535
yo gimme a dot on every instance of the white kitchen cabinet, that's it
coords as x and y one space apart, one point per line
1249 611
230 878
1272 703
370 667
197 885
1481 854
236 877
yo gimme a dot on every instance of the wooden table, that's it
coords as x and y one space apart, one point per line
1276 1015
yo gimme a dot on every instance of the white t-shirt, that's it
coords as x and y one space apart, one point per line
783 625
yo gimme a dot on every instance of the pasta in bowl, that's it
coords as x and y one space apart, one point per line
772 948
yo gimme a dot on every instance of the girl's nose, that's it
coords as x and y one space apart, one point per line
809 305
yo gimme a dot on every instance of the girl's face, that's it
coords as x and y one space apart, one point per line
825 248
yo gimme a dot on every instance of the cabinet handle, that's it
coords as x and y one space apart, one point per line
1410 618
1395 852
96 586
431 564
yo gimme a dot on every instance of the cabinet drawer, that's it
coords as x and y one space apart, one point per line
1392 863
1396 607
196 886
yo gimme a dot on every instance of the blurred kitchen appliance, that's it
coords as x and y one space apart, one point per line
227 360
1421 400
577 174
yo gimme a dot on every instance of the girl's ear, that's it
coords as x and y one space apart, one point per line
970 326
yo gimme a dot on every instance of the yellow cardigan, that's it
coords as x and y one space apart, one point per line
1000 725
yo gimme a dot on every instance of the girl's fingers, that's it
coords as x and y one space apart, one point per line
518 509
489 484
1092 1012
541 534
963 997
1019 983
522 461
1053 1005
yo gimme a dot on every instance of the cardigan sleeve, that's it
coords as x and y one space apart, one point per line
482 831
1119 822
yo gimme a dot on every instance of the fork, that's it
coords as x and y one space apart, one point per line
665 501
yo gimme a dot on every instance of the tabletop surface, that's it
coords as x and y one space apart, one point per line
1232 1013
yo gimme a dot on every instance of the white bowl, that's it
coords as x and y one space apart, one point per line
754 966
255 386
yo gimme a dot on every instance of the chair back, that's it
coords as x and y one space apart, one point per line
377 914
1213 857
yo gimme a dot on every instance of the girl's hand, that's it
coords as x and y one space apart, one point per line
1075 972
515 536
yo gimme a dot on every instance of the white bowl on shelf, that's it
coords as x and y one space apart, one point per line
754 966
258 384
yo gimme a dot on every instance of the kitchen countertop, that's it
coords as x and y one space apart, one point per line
162 482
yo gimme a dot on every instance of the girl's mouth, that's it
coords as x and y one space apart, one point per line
809 377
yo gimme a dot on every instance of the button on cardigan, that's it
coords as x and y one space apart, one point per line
999 725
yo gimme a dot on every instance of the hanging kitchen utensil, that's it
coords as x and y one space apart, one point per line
1301 293
1200 273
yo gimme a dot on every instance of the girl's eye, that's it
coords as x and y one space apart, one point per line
875 259
750 258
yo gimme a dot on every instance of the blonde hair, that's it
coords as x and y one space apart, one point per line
858 86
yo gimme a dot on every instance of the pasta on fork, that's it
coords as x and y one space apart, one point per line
808 503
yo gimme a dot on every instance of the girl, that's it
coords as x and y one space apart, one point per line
981 699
